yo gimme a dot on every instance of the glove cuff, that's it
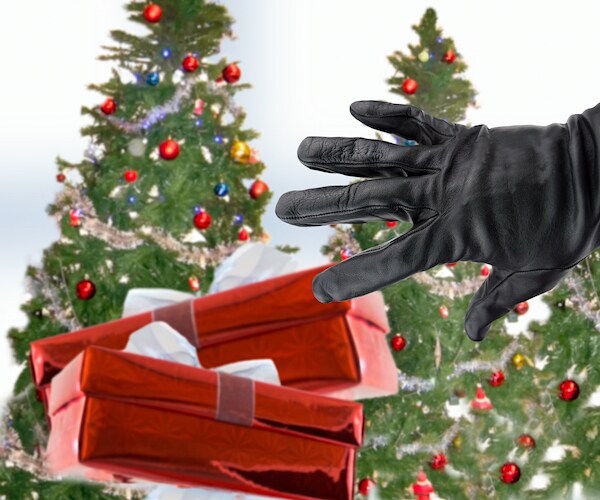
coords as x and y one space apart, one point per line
584 153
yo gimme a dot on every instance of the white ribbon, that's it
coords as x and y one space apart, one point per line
251 263
159 340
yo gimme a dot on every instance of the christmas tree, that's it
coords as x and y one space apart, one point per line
515 416
168 188
430 76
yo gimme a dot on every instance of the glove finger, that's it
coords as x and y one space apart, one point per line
366 157
375 268
401 198
501 292
404 120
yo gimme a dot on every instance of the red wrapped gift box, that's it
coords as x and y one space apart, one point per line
337 349
119 413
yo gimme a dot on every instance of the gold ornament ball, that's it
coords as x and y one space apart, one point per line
518 360
424 56
240 151
457 442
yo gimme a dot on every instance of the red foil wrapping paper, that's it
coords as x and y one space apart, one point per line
117 413
337 349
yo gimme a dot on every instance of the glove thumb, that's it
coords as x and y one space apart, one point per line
501 292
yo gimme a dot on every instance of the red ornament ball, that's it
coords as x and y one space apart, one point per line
444 312
169 150
510 473
449 56
451 264
85 289
497 378
194 283
243 235
346 253
391 223
152 13
75 217
60 177
485 270
398 342
365 486
409 86
109 106
569 390
521 308
231 73
130 175
202 220
526 441
439 461
190 63
257 189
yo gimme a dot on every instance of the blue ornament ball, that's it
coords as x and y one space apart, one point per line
218 139
166 53
199 122
221 189
439 39
238 219
132 199
197 209
153 78
346 253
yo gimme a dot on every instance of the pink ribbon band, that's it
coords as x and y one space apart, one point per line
180 317
235 399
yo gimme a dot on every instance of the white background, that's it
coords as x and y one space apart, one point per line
532 62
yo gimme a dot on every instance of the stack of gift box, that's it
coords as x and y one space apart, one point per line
119 415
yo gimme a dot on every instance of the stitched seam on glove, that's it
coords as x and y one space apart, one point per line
353 210
410 168
395 115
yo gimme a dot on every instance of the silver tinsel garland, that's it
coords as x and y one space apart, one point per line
490 366
42 284
128 240
173 105
440 446
581 302
412 383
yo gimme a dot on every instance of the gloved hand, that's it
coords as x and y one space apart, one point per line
524 199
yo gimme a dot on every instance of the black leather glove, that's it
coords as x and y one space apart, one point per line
524 199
